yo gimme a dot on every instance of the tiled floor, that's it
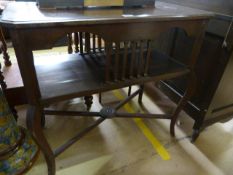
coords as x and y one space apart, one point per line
120 146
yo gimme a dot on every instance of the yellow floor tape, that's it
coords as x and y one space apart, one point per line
145 130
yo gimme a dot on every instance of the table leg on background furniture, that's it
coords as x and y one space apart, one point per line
88 101
197 129
4 88
2 79
4 49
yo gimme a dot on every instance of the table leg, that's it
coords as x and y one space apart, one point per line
34 116
25 60
140 94
88 101
192 80
188 94
197 129
4 87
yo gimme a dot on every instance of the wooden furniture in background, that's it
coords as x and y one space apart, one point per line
3 49
6 58
127 35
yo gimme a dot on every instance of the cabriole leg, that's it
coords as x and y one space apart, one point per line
191 86
34 116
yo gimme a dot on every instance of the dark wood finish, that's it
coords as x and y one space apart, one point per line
4 49
147 62
93 76
108 60
85 17
69 43
2 79
12 93
76 42
90 73
12 86
87 45
124 60
34 126
212 69
94 43
116 62
99 43
81 42
218 6
87 42
123 102
88 101
70 142
140 94
133 57
209 72
141 58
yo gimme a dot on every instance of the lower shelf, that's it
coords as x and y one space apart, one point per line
69 76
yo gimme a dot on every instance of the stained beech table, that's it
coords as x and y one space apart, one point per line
113 51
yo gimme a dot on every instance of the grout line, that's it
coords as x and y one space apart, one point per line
159 148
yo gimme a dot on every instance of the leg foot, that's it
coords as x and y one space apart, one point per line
129 90
88 101
100 98
197 128
196 133
43 120
140 94
6 58
2 79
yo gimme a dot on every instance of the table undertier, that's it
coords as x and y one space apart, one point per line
75 75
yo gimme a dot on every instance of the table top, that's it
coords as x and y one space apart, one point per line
28 15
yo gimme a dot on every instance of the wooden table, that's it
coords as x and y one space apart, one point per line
71 76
